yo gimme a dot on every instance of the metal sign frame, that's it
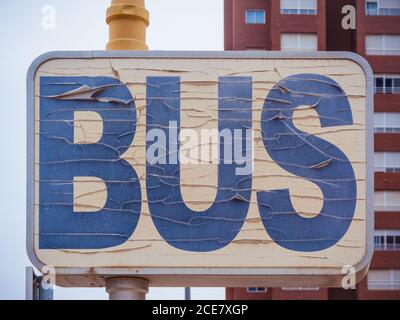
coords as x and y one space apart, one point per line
238 277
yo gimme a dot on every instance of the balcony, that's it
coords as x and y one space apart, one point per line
386 130
383 52
299 11
387 247
383 12
388 90
386 208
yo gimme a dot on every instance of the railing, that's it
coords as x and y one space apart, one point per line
300 288
386 130
390 208
383 52
299 11
299 49
393 90
387 247
387 169
383 285
383 12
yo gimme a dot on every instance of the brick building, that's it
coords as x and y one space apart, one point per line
311 25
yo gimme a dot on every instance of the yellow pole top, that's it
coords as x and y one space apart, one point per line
128 20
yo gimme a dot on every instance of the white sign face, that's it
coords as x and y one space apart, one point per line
200 168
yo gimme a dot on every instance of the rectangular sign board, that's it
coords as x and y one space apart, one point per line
201 169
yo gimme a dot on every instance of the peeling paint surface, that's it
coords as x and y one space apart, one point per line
252 247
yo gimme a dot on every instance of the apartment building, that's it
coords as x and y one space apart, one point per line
316 25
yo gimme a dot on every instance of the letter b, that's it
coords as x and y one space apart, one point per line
61 160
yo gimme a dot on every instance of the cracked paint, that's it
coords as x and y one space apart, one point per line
199 183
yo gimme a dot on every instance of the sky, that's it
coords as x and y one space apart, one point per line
79 25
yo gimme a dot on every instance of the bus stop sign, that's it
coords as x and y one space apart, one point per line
201 169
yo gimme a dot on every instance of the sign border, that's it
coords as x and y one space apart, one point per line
238 277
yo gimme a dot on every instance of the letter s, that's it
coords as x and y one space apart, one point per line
300 153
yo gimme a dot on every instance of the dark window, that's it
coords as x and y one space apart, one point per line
396 86
256 289
389 85
379 84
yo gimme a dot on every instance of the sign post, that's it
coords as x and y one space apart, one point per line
37 287
128 20
127 288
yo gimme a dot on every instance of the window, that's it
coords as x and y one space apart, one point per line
255 16
382 8
387 122
384 280
387 162
299 42
387 200
299 7
387 240
371 8
256 290
383 45
387 84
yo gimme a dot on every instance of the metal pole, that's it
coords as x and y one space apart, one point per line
128 20
127 288
188 295
30 285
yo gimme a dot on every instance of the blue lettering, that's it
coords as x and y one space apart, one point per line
180 226
61 160
309 157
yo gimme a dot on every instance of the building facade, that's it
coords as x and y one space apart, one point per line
326 25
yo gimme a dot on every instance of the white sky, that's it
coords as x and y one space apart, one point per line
80 25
